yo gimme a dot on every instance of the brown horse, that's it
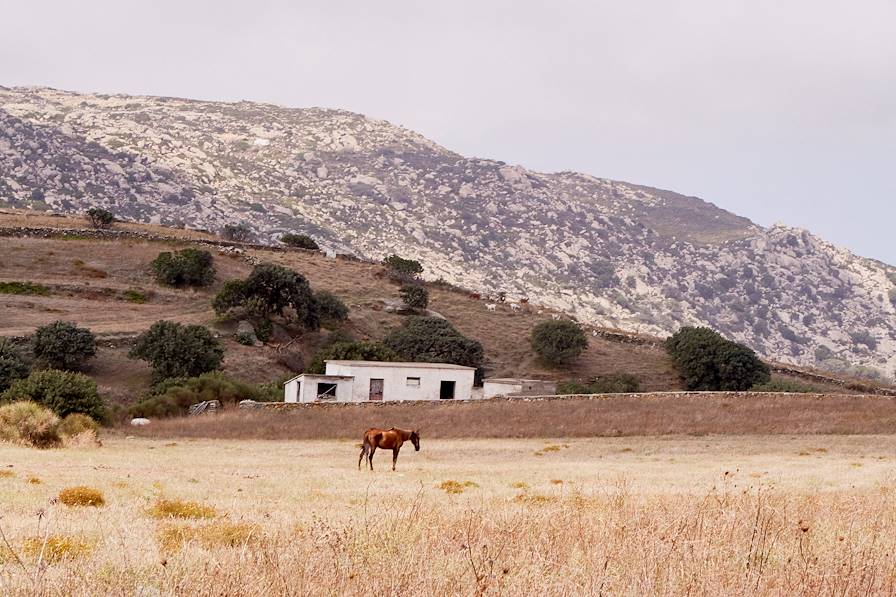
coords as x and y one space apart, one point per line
388 439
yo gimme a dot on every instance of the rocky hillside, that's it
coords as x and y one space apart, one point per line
607 252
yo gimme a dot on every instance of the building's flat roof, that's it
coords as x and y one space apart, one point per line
394 364
319 376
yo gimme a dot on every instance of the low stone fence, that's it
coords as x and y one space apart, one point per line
641 396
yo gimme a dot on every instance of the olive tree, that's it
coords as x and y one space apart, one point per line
63 345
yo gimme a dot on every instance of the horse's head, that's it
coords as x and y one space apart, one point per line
415 439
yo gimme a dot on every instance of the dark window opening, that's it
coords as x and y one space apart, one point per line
326 391
446 390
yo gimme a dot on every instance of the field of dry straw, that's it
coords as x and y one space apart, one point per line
672 515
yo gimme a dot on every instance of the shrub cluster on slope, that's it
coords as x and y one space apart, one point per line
331 308
12 365
99 217
435 340
63 345
189 267
707 361
401 269
350 351
270 289
617 383
63 392
558 342
176 350
299 241
173 397
415 296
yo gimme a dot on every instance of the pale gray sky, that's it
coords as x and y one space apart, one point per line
779 110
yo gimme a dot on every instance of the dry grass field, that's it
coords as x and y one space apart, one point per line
606 415
658 516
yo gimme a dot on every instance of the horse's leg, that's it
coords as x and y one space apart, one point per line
394 457
370 456
363 454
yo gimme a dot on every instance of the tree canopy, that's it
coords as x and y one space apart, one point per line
707 361
558 342
433 339
189 267
63 345
350 351
270 289
176 350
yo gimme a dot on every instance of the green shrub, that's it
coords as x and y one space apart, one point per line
415 296
99 217
403 269
234 294
63 392
864 337
432 339
558 342
173 397
299 241
350 351
189 267
272 391
892 295
270 289
572 387
786 386
245 338
707 361
616 383
12 365
135 296
23 288
176 350
330 307
29 424
263 330
237 232
63 345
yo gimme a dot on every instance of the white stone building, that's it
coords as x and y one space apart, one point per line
362 381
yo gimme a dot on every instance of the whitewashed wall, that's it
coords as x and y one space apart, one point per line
395 381
296 391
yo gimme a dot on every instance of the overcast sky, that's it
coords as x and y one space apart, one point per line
779 110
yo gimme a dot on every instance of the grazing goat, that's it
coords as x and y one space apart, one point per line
555 316
491 306
514 307
525 300
475 296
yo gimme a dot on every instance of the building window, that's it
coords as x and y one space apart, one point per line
413 381
326 391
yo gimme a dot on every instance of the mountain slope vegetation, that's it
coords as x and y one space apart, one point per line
610 253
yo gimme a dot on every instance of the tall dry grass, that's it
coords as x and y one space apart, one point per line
608 415
722 541
664 516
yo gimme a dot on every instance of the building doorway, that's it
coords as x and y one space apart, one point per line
446 390
376 389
